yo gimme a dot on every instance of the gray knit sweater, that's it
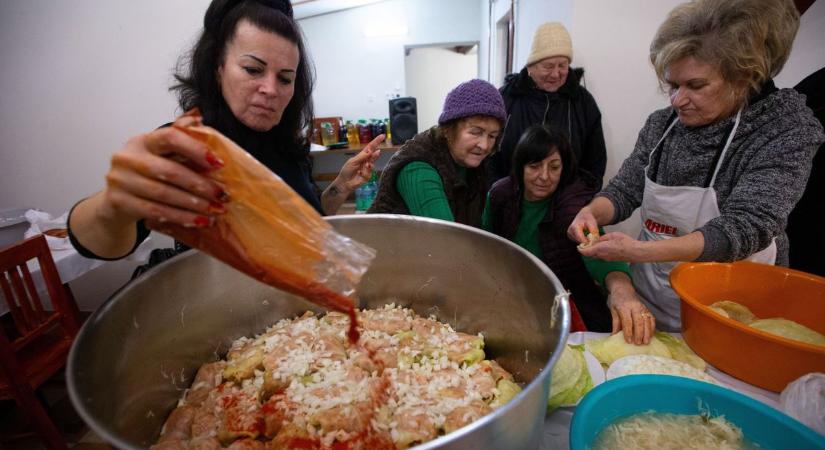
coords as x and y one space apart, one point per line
760 180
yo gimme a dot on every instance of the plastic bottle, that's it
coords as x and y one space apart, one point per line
364 132
365 195
352 134
327 134
388 139
342 134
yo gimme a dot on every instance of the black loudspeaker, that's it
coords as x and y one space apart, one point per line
403 119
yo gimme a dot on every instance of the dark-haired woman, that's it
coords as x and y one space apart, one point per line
249 75
535 205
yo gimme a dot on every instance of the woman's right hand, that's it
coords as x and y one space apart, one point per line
157 176
584 220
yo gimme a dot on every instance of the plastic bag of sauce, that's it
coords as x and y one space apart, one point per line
270 233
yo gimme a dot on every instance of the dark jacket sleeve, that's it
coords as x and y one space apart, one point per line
594 152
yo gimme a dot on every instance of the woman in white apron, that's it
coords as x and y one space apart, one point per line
716 174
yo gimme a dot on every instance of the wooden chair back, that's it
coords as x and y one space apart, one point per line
35 343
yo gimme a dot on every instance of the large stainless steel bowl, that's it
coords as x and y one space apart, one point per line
139 351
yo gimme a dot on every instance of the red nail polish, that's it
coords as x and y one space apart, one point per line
217 208
202 221
213 160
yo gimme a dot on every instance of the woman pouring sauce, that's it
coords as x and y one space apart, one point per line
716 174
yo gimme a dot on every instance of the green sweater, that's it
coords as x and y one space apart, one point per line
527 236
423 191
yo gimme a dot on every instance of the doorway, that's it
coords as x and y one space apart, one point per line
431 71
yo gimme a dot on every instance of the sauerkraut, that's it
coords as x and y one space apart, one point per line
658 431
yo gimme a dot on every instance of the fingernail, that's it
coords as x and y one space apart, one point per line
217 208
202 221
222 196
213 160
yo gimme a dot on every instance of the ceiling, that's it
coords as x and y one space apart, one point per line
309 8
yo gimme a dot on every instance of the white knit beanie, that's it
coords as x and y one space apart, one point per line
550 39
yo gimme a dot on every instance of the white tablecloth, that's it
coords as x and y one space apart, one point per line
557 423
70 265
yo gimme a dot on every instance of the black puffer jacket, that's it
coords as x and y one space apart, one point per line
571 109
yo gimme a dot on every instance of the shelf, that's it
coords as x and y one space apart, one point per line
355 149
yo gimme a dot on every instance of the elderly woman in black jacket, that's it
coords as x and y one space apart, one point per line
548 91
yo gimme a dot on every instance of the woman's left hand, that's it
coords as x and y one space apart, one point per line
614 246
630 316
358 169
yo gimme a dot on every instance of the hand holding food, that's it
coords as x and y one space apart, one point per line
161 176
584 221
268 231
614 246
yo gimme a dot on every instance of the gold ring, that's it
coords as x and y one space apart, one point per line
645 314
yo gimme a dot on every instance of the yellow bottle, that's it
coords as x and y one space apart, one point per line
352 134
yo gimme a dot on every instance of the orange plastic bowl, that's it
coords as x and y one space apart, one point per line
751 355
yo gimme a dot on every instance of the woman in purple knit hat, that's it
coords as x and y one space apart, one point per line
441 173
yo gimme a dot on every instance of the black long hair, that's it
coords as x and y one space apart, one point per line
197 79
538 142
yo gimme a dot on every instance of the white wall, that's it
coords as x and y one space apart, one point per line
808 54
355 73
611 41
77 80
429 86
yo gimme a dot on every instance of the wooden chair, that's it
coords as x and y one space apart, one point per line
35 345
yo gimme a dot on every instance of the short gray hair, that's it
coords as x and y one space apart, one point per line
747 40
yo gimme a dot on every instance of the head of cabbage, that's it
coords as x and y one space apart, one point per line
569 380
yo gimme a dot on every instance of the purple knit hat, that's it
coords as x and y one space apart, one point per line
471 98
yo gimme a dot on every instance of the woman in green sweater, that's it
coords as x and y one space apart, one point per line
533 208
441 173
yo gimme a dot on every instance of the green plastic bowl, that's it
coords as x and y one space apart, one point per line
634 394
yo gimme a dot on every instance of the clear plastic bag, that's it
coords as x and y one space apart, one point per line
269 232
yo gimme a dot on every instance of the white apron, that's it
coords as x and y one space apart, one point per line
673 211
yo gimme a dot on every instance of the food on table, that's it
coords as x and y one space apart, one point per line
302 384
654 430
269 232
777 326
613 347
657 365
804 400
570 380
609 349
680 351
789 329
733 310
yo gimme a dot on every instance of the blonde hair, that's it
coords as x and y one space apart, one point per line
748 41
